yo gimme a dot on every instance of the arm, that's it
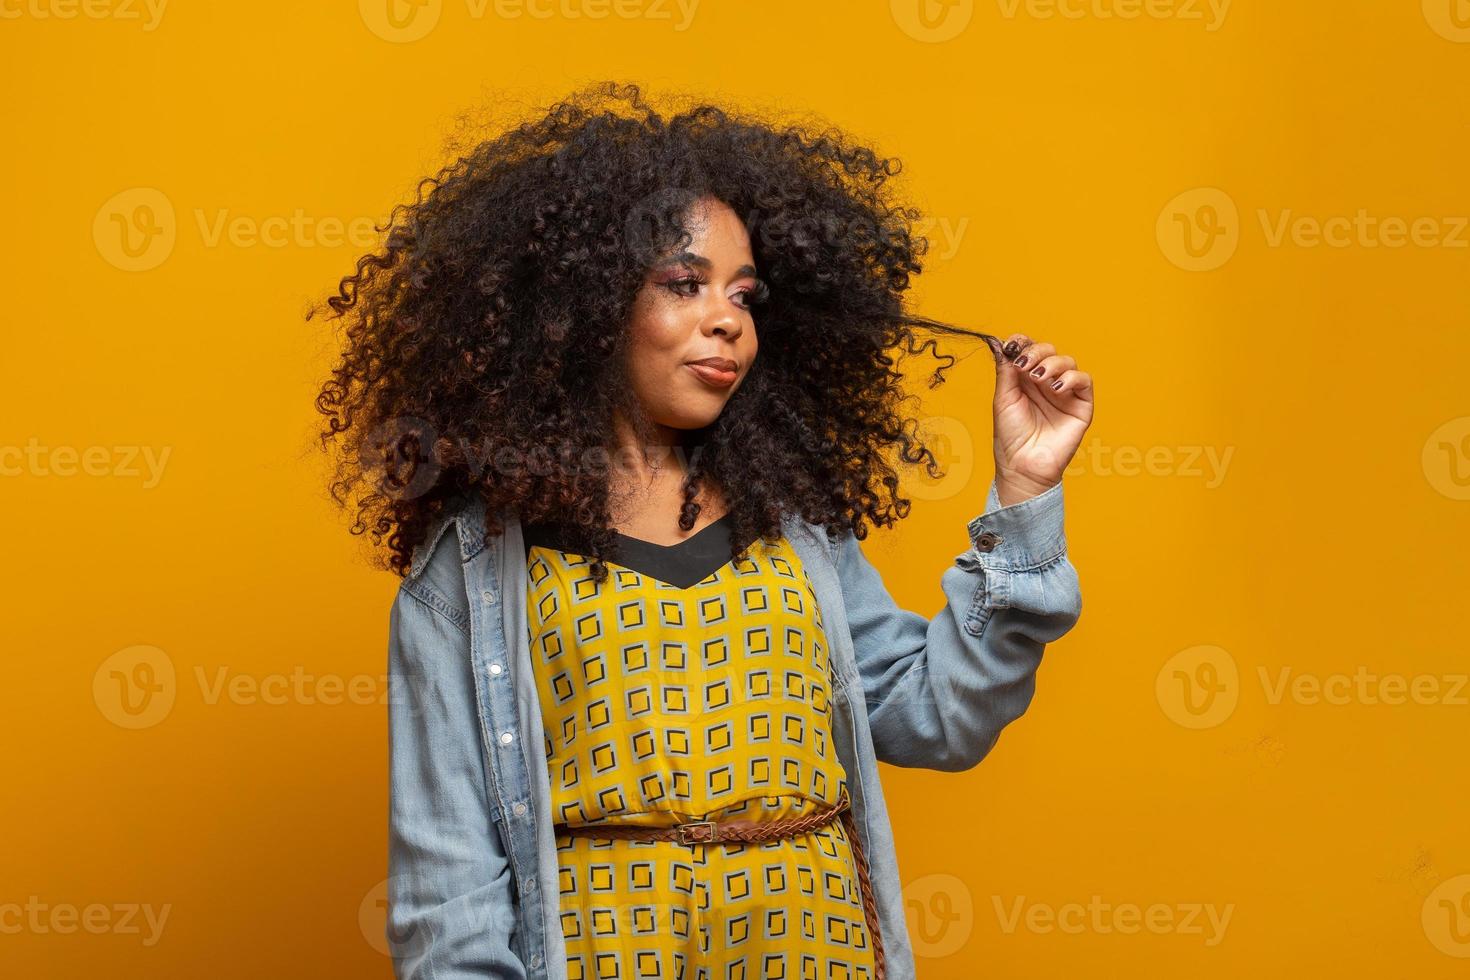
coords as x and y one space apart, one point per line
450 904
940 690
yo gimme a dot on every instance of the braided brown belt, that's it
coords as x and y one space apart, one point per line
750 832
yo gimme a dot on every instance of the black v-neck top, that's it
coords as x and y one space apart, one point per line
681 565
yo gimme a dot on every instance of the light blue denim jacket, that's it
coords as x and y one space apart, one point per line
473 877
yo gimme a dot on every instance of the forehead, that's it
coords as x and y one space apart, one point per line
715 224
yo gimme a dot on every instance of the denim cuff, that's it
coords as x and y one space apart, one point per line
1022 535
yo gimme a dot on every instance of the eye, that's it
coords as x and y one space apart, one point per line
688 286
755 295
677 286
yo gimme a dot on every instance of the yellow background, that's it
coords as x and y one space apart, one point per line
1071 153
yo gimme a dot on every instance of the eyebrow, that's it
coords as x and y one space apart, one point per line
700 262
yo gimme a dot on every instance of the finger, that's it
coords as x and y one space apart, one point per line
1007 378
1013 345
1069 384
1031 355
1049 367
1025 366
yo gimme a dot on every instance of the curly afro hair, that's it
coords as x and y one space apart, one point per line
476 357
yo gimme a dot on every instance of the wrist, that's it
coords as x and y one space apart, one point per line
1012 489
1024 534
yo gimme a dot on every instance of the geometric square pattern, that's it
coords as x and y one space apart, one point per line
661 705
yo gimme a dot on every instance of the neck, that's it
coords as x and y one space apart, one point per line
644 457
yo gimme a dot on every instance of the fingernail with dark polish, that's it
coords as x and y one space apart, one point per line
1021 361
1057 384
1010 349
1038 372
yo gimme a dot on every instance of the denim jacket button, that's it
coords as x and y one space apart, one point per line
987 540
495 669
519 808
530 884
535 960
489 596
505 738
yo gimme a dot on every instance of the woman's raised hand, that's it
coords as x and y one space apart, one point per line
1043 405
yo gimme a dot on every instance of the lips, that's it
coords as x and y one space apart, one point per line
718 363
718 371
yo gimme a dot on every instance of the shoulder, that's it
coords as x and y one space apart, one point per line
436 574
820 542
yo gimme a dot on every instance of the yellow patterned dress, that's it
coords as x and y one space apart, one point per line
690 687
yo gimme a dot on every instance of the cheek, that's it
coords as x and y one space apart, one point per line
655 347
748 345
654 331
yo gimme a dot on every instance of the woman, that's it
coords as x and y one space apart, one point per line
642 367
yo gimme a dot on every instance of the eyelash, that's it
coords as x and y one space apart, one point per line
754 296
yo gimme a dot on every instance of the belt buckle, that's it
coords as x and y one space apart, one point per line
701 826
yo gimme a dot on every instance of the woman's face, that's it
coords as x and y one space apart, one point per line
694 307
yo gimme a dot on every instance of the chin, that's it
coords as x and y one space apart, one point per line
689 419
689 423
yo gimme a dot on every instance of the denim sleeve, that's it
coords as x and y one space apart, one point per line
451 911
939 690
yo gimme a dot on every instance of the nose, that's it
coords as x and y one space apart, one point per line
723 320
